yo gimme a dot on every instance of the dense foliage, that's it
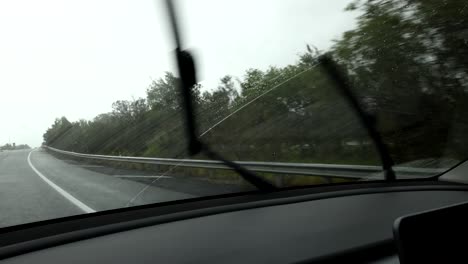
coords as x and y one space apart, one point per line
407 60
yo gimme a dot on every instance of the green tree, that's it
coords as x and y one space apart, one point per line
164 93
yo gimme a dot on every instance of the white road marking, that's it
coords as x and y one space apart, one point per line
64 193
142 176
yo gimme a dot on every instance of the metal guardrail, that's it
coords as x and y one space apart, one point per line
311 169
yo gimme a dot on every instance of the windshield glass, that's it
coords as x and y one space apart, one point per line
93 117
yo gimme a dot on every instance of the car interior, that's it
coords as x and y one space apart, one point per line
388 216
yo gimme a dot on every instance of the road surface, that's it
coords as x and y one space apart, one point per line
35 186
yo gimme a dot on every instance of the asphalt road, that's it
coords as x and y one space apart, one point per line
35 186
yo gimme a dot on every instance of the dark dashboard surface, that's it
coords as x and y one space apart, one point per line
275 234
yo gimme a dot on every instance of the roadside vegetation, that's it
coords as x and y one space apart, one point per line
406 61
13 146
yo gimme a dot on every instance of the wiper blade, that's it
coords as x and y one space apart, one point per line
342 83
187 71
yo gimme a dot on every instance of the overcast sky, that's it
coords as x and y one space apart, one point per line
74 58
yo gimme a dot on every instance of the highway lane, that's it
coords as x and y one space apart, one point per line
24 197
35 185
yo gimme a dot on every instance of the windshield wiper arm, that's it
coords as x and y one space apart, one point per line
187 73
342 83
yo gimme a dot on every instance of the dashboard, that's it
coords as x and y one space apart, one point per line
313 227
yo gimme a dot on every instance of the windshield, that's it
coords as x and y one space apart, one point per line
94 118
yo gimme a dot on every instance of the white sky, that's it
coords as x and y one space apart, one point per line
74 58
